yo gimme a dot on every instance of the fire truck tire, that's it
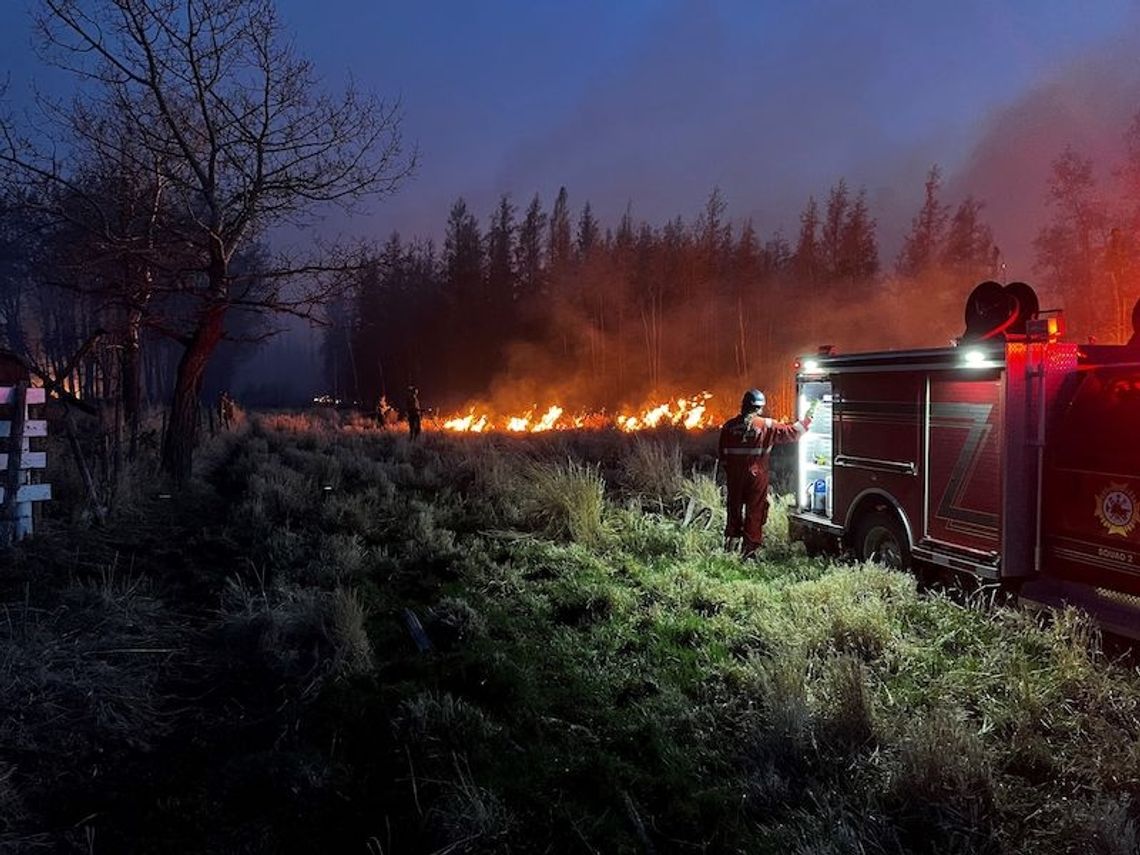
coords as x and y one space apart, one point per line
880 536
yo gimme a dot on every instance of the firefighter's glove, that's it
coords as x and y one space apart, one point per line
806 420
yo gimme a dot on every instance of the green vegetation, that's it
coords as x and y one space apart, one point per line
601 677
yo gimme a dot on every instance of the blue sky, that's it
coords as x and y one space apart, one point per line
654 103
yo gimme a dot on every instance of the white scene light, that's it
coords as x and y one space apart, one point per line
974 357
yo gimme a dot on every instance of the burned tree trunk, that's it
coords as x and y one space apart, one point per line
182 427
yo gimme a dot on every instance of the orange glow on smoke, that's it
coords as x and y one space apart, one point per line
689 413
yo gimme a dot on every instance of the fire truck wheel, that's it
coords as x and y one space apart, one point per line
881 537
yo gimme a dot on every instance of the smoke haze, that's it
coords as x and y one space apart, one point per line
773 107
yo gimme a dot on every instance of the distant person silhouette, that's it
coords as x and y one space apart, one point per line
412 408
225 410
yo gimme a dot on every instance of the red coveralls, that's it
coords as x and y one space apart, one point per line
746 443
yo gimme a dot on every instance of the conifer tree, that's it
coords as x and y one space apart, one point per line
528 251
927 230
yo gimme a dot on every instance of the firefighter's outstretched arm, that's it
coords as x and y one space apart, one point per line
782 433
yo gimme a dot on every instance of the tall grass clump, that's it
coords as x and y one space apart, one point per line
941 795
776 527
499 477
435 725
468 817
297 637
353 648
565 500
652 470
704 501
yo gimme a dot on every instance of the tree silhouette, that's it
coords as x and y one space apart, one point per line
242 138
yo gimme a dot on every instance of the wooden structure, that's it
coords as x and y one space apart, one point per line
17 460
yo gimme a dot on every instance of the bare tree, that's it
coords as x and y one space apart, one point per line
241 139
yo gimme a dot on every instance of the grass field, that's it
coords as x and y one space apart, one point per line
236 669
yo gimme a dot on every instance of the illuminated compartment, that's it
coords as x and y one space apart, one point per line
813 470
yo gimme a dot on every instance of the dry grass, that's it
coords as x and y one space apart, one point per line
565 500
704 501
438 724
298 635
80 683
652 470
351 644
467 817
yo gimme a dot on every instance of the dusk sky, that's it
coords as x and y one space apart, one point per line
655 103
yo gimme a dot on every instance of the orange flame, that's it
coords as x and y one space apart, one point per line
468 423
688 413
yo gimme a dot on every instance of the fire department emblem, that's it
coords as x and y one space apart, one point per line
1116 507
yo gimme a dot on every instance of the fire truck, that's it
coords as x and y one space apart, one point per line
1011 456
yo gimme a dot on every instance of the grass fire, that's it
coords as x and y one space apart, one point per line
691 413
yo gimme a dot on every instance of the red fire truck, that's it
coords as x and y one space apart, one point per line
1011 456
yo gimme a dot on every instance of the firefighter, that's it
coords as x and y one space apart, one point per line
746 443
225 410
412 407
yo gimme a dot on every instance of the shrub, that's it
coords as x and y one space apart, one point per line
341 558
453 620
276 494
356 512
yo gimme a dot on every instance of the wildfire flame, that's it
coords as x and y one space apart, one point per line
689 413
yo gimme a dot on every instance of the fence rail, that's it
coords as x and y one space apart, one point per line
17 460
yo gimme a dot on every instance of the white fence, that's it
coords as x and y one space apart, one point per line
17 460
